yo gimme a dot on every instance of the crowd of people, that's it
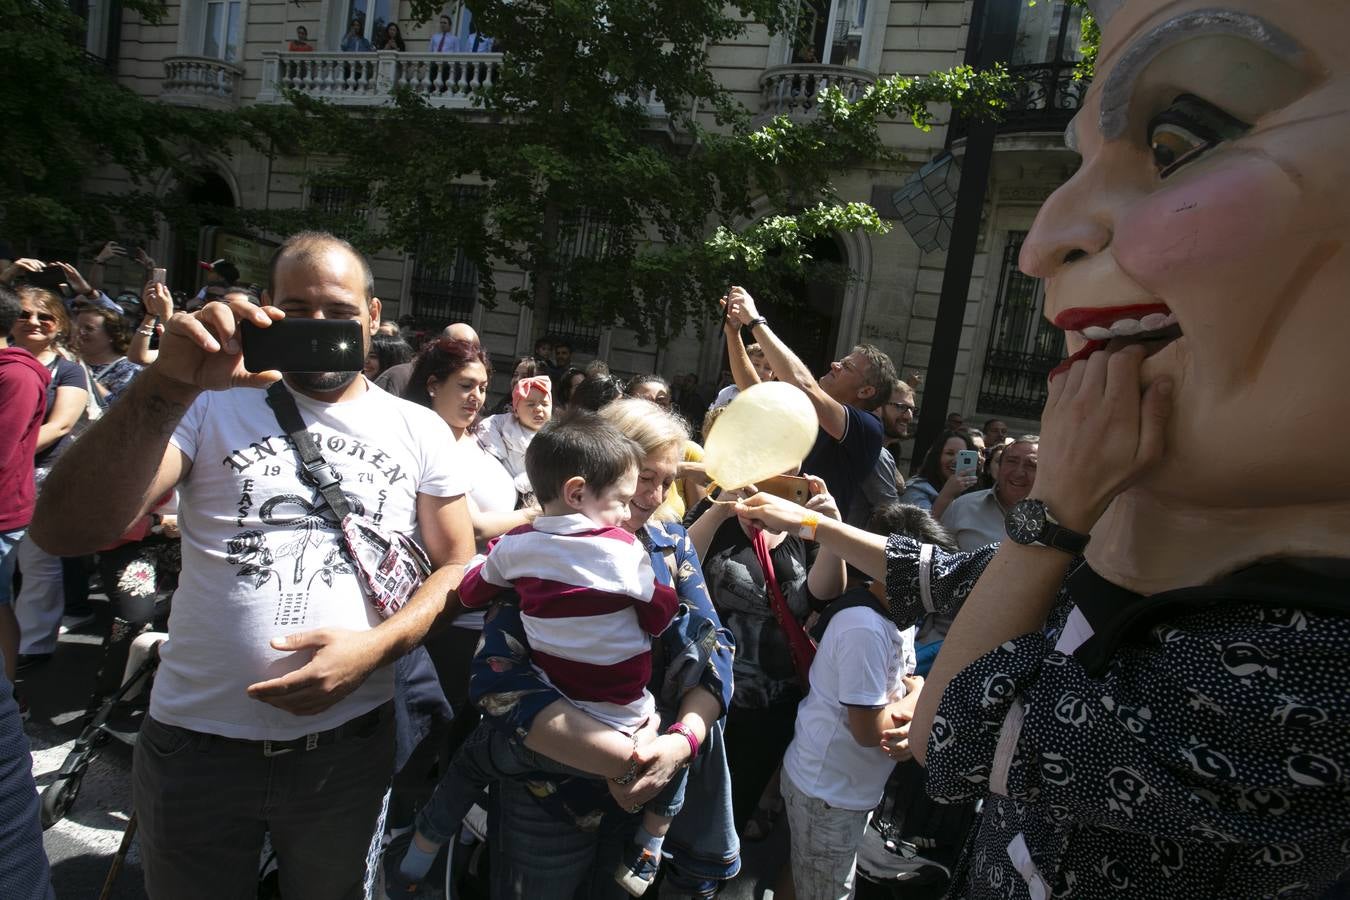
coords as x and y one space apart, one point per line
629 668
576 508
1104 660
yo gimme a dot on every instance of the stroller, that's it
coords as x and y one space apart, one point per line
130 656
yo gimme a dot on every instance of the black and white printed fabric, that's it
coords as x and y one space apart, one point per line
1199 750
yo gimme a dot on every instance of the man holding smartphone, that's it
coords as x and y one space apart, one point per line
271 707
977 519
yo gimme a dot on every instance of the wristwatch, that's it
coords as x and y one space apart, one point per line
756 322
1030 522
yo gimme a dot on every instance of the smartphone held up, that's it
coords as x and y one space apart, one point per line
968 463
303 345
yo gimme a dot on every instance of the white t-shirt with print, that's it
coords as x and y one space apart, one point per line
492 490
860 662
260 559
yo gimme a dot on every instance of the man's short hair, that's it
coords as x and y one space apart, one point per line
880 376
579 443
989 423
900 388
754 350
307 246
10 309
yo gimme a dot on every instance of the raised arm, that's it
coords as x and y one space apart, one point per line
742 372
200 352
786 366
158 304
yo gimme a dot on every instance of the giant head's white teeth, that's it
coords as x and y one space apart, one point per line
1129 327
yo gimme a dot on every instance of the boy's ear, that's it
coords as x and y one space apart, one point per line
573 491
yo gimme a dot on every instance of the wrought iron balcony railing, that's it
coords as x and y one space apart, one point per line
1045 97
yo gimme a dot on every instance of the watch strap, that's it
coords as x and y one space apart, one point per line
1061 538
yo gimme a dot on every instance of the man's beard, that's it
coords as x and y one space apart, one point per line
321 382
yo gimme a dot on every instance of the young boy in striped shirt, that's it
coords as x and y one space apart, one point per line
590 604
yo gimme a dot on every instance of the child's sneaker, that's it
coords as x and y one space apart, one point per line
396 884
636 873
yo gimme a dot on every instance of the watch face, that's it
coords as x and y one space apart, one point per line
1026 521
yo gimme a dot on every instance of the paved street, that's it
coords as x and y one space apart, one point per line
82 845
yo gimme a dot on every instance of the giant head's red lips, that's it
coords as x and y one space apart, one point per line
1114 327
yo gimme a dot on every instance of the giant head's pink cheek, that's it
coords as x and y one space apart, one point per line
1216 224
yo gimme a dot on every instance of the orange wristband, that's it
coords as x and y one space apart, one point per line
807 530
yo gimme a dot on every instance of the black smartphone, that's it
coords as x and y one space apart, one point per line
303 345
49 277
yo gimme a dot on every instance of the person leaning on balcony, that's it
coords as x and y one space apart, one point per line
445 40
354 41
301 43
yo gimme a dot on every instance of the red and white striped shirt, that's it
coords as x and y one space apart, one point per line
590 604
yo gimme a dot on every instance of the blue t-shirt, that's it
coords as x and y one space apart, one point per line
64 374
846 463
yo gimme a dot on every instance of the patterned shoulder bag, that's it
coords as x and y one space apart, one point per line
390 566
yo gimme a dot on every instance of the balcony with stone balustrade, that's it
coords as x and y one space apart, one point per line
450 80
792 90
367 79
201 81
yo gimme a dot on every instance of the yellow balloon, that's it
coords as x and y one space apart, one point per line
766 431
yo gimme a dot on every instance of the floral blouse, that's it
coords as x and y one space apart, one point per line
114 377
1189 744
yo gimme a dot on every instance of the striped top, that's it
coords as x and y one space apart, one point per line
590 604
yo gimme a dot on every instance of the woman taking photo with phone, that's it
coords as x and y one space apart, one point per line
42 326
769 682
937 483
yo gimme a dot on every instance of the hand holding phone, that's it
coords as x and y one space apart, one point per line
789 487
303 345
967 463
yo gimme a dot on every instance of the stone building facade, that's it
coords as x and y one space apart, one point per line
229 53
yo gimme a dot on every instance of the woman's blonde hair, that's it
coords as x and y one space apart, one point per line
646 423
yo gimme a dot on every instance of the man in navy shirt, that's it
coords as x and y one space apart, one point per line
849 440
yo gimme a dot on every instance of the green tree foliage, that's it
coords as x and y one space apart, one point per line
66 116
564 137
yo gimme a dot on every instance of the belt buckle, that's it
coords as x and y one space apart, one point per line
269 752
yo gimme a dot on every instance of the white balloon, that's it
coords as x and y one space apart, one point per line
767 430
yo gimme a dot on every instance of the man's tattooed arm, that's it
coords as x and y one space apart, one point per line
116 471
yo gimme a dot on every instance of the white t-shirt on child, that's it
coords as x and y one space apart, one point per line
860 662
261 561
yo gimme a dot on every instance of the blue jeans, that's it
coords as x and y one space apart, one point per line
487 757
9 556
25 874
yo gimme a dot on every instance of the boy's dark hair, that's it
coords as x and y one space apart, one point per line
911 521
579 443
10 308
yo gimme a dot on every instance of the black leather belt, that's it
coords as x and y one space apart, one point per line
362 723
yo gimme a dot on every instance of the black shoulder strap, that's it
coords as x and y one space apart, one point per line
316 469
